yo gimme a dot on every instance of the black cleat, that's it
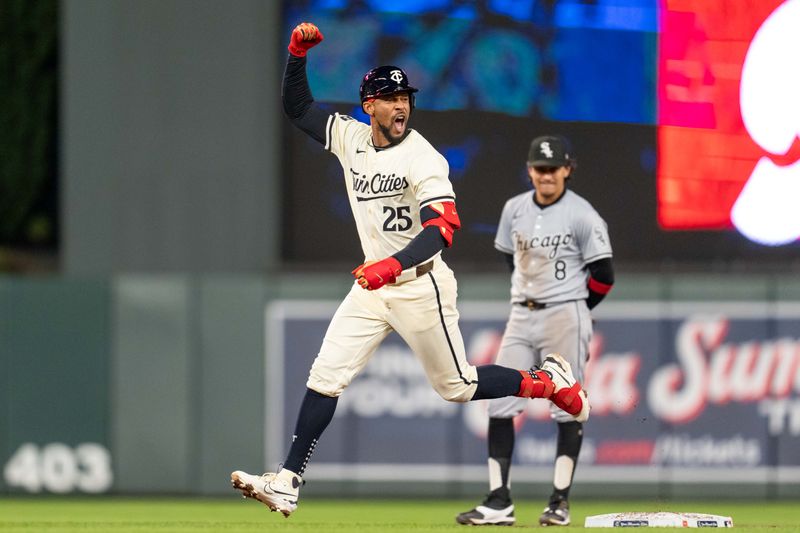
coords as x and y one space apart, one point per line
555 514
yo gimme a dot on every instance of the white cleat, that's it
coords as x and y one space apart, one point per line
568 394
278 491
486 516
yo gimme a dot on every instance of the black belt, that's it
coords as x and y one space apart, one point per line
532 305
424 269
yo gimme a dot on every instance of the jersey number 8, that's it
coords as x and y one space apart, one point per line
561 270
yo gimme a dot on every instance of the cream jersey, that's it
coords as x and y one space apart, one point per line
551 246
387 187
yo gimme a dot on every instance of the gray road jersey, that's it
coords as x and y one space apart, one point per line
551 246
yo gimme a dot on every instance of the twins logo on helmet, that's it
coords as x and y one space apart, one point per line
384 80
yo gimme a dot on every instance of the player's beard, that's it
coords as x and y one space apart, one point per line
389 134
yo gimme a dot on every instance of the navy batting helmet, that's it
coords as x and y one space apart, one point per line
384 80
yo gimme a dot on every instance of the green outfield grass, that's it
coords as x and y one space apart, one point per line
321 516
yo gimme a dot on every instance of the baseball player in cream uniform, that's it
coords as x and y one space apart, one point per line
558 249
404 208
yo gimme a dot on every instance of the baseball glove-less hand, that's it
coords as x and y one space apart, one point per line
373 275
304 37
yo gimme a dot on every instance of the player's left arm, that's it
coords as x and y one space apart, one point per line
591 232
503 241
438 215
439 222
601 280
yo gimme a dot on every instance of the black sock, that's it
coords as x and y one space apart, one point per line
570 438
495 381
501 445
316 412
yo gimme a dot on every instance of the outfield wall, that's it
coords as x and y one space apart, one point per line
165 383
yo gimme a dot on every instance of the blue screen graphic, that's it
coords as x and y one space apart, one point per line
492 75
561 61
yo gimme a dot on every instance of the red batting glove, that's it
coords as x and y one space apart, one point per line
304 36
373 275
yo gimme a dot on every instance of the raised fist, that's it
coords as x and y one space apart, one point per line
304 36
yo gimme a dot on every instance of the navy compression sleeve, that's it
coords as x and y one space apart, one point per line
601 278
425 245
298 104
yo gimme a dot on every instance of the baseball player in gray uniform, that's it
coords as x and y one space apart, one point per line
558 249
405 214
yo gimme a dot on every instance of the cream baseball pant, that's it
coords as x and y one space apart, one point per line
422 311
564 328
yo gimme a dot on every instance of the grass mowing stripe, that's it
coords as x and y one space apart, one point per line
121 515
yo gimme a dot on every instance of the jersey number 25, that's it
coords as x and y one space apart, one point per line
397 219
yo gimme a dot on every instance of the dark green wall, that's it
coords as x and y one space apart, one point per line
54 357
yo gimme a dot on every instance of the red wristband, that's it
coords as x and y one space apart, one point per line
599 287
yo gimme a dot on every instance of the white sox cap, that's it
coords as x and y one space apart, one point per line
550 151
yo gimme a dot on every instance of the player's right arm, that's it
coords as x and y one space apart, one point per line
503 240
509 259
298 103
